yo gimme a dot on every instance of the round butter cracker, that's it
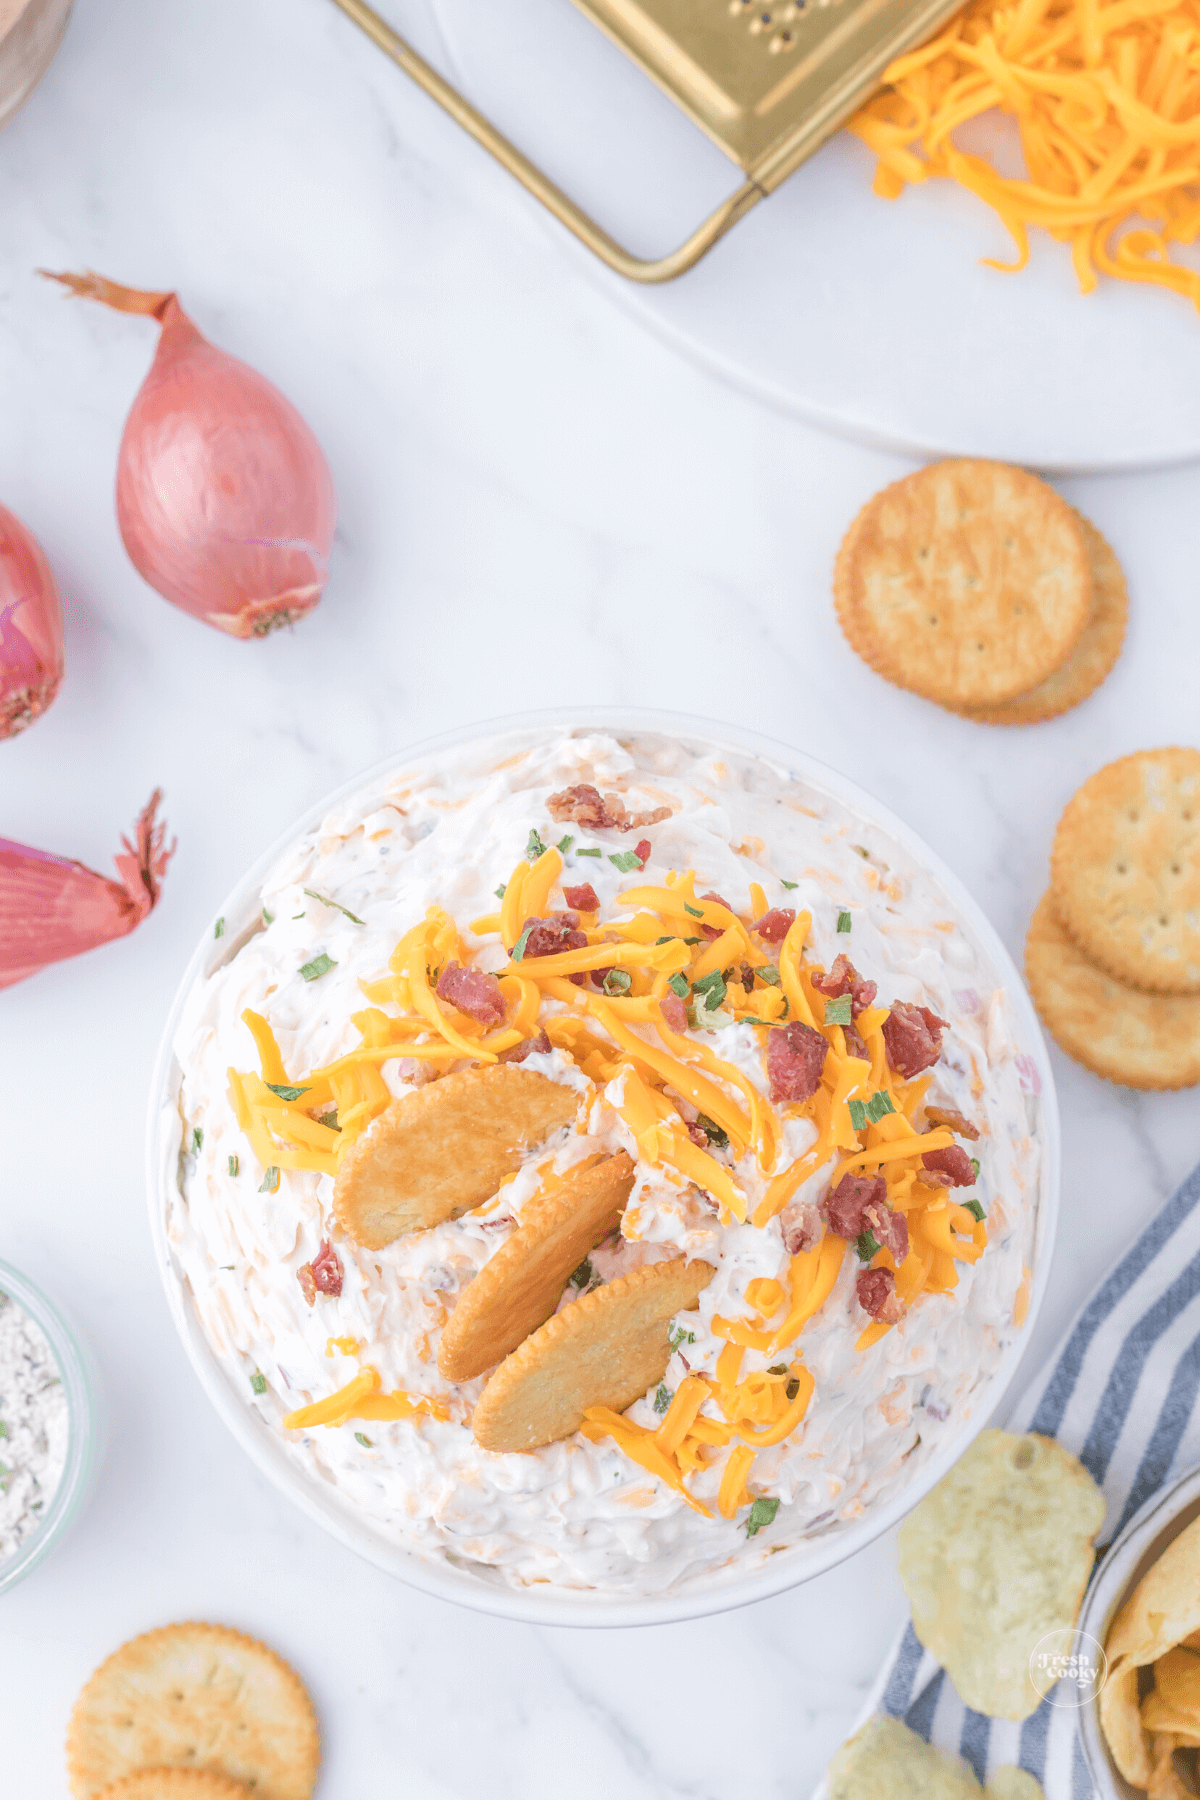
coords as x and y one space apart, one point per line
968 582
195 1697
1136 1039
1125 870
175 1784
1091 659
606 1349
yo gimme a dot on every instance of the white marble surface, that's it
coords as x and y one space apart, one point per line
538 500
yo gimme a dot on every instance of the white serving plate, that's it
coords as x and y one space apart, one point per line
874 319
542 1604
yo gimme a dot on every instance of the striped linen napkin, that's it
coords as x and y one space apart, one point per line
1121 1392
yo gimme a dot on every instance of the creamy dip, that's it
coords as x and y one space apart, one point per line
448 832
34 1427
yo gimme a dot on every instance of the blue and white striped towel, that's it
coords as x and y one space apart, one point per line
1121 1392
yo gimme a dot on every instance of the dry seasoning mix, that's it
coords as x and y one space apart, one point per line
782 1391
33 1427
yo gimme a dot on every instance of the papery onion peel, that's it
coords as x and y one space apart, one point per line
31 628
224 499
52 908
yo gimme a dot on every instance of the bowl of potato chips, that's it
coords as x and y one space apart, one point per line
1141 1734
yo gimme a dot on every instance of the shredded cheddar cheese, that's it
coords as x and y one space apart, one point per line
1107 104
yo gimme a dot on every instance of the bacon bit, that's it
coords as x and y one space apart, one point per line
855 1044
952 1165
674 1011
876 1290
747 978
913 1036
714 931
308 1285
584 805
642 851
890 1231
795 1057
534 1046
600 976
555 933
844 978
327 1270
774 926
845 1205
473 991
953 1121
698 1136
800 1222
583 899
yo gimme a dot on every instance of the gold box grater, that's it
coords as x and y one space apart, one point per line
768 80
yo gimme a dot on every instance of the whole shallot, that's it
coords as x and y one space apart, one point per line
51 908
224 498
31 628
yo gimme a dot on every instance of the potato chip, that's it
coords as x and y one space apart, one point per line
995 1558
520 1287
1164 1607
1121 1723
1011 1783
606 1349
440 1151
887 1761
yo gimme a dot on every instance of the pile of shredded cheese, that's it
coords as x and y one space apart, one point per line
1107 101
623 1038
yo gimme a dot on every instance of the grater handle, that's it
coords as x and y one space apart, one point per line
597 240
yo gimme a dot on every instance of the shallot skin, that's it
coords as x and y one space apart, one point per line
52 907
31 628
224 499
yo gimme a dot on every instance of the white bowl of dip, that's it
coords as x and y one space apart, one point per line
470 1583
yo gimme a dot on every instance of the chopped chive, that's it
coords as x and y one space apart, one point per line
364 1440
878 1105
270 1181
268 918
788 884
234 1165
858 1114
761 1513
680 1336
258 1382
866 1244
336 904
300 915
845 922
838 1012
975 1210
320 965
595 850
974 1162
330 1119
778 1369
4 1431
792 1389
285 1093
625 860
583 1274
618 981
697 912
662 1398
219 928
535 847
770 974
678 984
502 890
564 844
712 1131
691 940
865 854
197 1136
753 1019
518 949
